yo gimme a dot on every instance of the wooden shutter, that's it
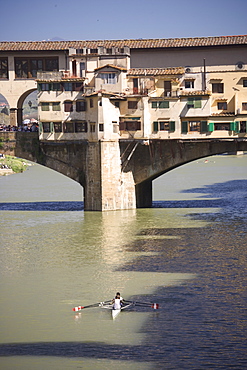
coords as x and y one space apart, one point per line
204 126
184 127
211 126
198 103
172 126
155 126
234 126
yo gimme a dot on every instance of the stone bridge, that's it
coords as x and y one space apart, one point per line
114 174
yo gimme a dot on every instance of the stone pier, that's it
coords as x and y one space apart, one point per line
107 187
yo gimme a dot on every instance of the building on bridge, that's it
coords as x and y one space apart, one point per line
141 89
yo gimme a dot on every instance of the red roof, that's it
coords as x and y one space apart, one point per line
132 44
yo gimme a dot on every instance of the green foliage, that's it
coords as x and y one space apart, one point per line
16 164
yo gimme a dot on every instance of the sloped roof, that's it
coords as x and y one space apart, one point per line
131 43
155 71
111 66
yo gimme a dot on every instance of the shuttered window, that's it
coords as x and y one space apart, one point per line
194 102
160 104
184 127
204 126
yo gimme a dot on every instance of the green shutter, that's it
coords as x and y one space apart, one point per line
198 103
172 126
236 128
232 126
184 127
51 127
190 102
154 104
155 126
211 126
204 126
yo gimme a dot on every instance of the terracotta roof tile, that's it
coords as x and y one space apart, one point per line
223 114
155 71
194 93
111 66
132 44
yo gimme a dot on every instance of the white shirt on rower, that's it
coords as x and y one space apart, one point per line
117 304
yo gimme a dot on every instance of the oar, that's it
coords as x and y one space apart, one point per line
155 306
79 308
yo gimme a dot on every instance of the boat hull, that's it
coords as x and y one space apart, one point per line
115 313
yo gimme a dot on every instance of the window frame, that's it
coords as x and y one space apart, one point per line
217 87
68 106
45 105
24 66
4 68
222 105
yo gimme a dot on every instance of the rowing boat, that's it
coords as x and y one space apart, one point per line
116 312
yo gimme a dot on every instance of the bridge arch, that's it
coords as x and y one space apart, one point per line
159 157
20 102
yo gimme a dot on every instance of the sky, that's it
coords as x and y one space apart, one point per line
32 20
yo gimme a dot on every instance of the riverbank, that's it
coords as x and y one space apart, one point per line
10 165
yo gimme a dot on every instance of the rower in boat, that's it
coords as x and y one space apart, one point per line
117 302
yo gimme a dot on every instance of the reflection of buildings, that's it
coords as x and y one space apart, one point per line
201 94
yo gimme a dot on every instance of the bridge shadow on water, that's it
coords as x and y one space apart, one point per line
197 326
42 206
219 195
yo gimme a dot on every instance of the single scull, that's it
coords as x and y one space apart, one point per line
116 312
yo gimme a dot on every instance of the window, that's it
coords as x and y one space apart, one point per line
222 105
194 102
167 88
68 106
77 86
188 84
117 104
217 87
4 68
244 83
92 127
51 64
67 86
81 126
28 67
82 69
160 104
56 86
132 104
244 106
195 126
46 126
222 126
163 126
69 127
109 78
44 87
58 127
44 106
131 125
91 103
56 106
101 127
243 126
81 106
